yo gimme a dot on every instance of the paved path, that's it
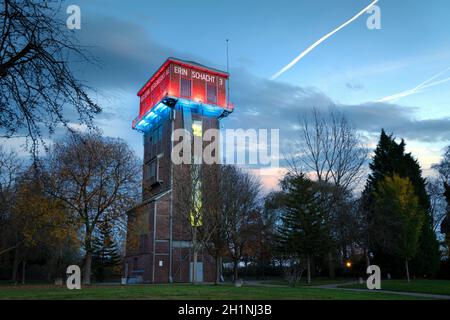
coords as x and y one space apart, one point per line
412 294
336 286
263 283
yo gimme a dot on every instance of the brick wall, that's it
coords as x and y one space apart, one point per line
148 234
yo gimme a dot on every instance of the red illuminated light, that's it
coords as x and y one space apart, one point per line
167 82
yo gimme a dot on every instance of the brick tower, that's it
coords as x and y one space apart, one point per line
180 95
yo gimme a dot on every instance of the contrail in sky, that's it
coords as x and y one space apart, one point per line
325 37
424 85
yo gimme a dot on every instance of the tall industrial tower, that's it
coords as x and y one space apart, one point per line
180 95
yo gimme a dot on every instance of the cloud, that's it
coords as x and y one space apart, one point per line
129 55
262 103
126 53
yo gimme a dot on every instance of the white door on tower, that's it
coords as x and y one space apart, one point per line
198 271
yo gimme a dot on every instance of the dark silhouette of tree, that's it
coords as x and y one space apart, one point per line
331 148
10 170
218 203
97 180
334 153
443 168
39 225
106 253
214 224
239 206
389 159
445 225
38 89
304 229
399 213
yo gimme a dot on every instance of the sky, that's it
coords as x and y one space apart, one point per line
353 69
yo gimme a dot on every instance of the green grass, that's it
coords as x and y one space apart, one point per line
420 286
189 292
314 282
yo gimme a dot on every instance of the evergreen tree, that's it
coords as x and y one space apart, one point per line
304 228
445 225
106 253
398 205
390 158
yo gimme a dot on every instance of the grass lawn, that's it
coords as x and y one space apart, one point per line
314 282
421 286
189 292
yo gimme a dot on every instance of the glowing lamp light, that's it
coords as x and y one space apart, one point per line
348 264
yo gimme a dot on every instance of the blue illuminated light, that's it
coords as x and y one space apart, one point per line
153 116
208 110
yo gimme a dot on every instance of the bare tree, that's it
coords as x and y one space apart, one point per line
97 179
438 205
197 205
189 206
214 227
39 224
218 204
439 191
332 152
10 169
240 194
38 88
443 168
331 149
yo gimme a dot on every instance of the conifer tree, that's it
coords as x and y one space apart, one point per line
398 207
390 158
304 229
106 252
445 225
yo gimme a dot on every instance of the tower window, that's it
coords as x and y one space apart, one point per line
197 132
211 93
150 170
197 128
185 90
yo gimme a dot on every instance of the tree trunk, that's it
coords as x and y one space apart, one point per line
407 269
366 255
218 261
312 262
235 270
308 262
246 268
87 268
195 256
15 265
24 263
194 267
331 272
263 276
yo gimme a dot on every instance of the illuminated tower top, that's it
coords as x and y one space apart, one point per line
180 84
